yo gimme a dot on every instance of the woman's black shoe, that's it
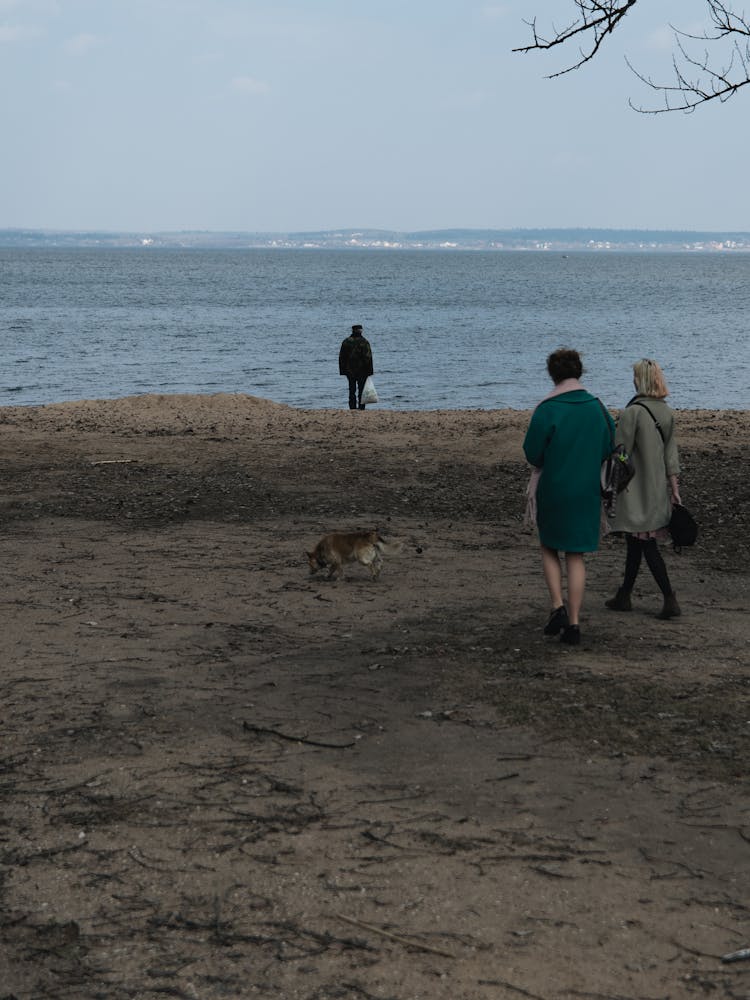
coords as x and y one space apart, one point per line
620 602
671 608
558 621
571 635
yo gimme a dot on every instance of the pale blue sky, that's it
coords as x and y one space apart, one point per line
277 115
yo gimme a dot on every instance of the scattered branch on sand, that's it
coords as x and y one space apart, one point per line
743 955
677 866
511 987
249 727
398 798
114 461
369 835
719 901
296 941
547 858
22 860
692 951
394 937
145 863
549 872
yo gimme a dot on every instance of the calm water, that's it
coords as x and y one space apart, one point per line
448 330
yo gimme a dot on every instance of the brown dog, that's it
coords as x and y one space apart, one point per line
334 550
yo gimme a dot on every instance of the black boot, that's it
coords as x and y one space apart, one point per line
671 608
620 602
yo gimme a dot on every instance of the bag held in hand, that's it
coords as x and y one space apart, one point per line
368 391
682 527
617 471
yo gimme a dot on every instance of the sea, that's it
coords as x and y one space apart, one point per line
450 330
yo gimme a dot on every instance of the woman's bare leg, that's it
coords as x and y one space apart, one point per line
576 570
552 575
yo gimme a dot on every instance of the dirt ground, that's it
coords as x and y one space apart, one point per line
221 777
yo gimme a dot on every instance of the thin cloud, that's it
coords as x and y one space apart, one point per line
249 85
31 8
468 99
494 11
9 34
79 45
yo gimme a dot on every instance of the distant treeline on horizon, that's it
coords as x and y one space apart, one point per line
354 239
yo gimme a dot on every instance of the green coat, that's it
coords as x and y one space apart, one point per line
569 438
646 503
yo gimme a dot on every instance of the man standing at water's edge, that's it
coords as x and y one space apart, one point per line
355 361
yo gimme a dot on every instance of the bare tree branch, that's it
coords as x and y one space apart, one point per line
597 19
707 85
697 79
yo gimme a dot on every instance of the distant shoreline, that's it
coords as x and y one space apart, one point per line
448 240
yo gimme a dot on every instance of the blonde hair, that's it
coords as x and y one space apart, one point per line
649 379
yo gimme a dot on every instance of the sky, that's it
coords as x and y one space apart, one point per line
303 115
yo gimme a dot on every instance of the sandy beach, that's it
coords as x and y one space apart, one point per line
224 778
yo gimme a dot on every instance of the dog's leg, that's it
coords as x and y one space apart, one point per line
336 572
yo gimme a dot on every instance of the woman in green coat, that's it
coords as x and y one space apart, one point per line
568 438
646 429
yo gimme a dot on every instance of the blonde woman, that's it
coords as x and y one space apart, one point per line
646 429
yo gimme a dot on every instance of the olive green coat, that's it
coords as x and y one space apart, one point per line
569 438
645 504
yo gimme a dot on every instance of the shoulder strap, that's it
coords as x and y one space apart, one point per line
643 406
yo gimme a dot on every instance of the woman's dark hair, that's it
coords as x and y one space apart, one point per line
563 364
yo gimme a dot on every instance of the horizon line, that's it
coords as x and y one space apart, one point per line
362 230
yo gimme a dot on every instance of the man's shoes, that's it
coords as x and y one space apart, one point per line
620 602
671 608
558 621
571 635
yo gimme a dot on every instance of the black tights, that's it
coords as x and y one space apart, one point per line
649 548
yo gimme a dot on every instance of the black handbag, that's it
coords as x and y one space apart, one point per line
616 472
682 527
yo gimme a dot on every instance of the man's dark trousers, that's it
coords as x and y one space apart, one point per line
356 385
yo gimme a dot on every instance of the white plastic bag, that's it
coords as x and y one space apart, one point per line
368 392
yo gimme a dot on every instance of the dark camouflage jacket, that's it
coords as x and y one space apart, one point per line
355 356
